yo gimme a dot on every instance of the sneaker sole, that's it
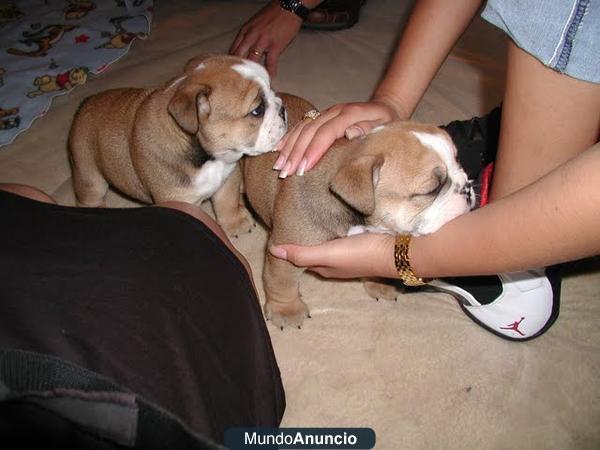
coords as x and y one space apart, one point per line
553 276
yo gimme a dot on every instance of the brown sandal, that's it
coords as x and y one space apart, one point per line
332 15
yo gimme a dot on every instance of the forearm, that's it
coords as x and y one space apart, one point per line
553 220
431 32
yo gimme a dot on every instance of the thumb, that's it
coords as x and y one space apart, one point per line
279 251
360 129
297 255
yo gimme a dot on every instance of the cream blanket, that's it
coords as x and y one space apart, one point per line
47 48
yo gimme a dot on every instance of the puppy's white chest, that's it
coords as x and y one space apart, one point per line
210 177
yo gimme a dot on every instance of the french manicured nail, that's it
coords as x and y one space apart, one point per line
280 162
302 167
278 252
284 172
353 132
279 145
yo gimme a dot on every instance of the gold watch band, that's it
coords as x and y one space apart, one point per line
402 261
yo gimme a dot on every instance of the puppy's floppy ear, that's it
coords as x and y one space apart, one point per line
295 106
194 62
188 104
355 183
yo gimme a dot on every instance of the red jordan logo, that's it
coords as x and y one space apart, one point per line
514 326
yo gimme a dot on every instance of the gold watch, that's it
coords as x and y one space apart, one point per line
405 272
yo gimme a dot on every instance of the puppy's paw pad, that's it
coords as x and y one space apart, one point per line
242 224
285 315
380 291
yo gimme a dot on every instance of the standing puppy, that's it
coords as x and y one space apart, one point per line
179 141
401 178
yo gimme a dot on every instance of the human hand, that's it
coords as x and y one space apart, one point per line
360 255
267 34
304 145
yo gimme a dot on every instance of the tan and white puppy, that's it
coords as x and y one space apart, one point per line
179 141
401 178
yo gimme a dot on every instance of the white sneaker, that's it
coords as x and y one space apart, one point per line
516 306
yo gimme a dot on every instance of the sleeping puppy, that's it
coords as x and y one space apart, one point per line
179 141
401 178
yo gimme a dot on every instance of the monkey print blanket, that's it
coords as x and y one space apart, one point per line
47 47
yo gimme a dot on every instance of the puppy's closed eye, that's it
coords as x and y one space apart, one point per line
434 183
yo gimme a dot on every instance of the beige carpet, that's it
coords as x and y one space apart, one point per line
417 371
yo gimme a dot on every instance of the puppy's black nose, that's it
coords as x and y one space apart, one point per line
467 191
283 113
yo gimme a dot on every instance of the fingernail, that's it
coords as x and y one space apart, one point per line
302 167
279 145
280 162
353 132
286 169
278 252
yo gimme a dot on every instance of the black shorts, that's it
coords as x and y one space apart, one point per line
148 297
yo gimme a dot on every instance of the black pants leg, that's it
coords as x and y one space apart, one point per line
148 297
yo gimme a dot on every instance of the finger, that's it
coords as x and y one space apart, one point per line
361 129
343 124
236 42
255 54
288 144
323 139
285 148
296 161
318 146
271 61
243 49
282 141
260 50
249 42
298 255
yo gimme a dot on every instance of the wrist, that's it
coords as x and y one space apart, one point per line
402 261
394 104
418 254
297 8
387 256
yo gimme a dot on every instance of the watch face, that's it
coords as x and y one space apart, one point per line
296 7
290 5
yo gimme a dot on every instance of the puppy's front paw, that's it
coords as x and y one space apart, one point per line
286 314
378 290
239 223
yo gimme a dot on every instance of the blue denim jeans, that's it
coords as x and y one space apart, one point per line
563 34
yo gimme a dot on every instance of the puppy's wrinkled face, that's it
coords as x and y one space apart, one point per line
228 104
417 183
420 186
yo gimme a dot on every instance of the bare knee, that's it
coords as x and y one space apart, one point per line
27 191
